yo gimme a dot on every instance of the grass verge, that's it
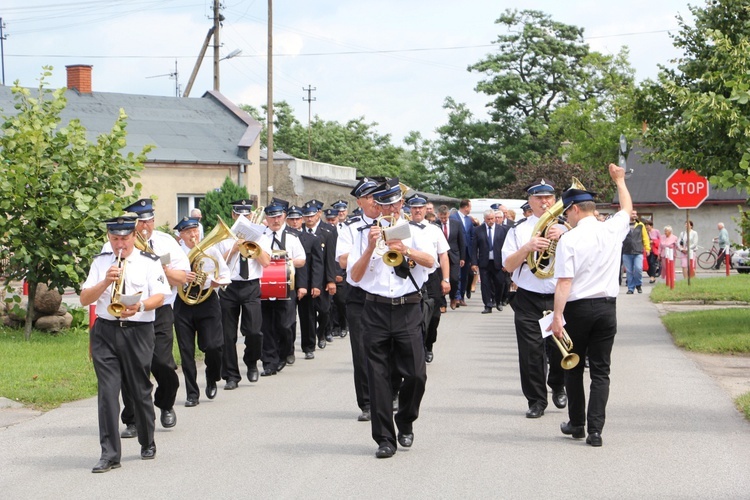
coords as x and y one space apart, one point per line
715 289
743 404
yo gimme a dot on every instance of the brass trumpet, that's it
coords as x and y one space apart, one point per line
390 257
570 359
116 307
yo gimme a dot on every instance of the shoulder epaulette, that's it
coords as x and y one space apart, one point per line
149 255
352 220
103 253
519 222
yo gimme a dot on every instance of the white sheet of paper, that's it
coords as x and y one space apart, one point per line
544 323
129 300
165 259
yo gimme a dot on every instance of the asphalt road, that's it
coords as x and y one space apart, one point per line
671 432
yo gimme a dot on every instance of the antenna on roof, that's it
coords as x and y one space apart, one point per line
172 75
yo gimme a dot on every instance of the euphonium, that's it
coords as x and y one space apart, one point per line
569 359
142 244
116 307
193 293
542 264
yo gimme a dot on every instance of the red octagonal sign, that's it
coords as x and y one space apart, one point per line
687 189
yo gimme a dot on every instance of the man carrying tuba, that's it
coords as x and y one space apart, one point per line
534 296
200 313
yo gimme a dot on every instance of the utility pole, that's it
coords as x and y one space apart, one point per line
309 100
3 36
269 105
217 28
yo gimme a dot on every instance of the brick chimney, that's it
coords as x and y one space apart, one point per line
79 78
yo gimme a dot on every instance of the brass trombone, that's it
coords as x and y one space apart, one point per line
116 307
570 359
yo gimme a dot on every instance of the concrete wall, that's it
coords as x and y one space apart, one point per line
289 184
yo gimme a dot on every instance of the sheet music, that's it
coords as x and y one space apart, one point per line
246 230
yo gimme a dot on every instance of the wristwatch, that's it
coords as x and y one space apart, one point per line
408 252
142 307
446 280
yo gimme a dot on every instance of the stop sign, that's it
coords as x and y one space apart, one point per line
687 189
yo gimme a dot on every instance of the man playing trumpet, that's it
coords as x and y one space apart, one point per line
587 271
122 346
200 317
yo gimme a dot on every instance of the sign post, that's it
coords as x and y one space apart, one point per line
687 190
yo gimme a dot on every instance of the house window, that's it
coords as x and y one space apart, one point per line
185 203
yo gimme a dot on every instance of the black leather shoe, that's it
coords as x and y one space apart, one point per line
385 451
232 384
148 452
191 402
309 355
364 416
105 466
428 356
640 290
406 440
321 344
486 310
290 359
267 372
535 411
344 332
329 338
594 439
560 399
168 418
282 365
210 389
252 374
499 307
130 431
336 332
577 431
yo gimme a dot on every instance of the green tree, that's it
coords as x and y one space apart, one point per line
217 203
699 112
56 189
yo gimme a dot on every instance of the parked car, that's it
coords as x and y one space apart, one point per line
741 261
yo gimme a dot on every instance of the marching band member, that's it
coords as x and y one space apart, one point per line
163 365
587 271
392 318
241 300
354 233
337 324
534 296
122 346
203 318
327 234
279 315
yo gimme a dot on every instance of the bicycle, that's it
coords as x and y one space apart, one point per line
707 260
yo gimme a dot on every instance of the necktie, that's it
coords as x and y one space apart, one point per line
151 244
445 230
489 234
275 243
244 271
309 230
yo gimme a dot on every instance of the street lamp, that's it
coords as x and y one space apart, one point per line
232 54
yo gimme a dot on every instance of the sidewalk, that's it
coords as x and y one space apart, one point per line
672 432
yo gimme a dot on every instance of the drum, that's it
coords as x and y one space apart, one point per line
277 280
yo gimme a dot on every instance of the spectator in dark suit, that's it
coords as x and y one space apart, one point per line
486 257
467 223
454 233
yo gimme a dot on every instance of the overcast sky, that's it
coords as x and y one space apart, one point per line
392 61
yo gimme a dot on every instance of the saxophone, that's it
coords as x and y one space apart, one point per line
542 263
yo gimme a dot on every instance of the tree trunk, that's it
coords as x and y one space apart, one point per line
30 310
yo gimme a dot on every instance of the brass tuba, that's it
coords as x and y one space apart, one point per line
116 307
570 359
542 264
193 293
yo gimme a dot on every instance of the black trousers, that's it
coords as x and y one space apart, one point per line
278 321
464 281
355 303
204 322
338 307
322 305
240 299
591 325
534 351
394 329
306 311
122 358
492 285
163 367
434 291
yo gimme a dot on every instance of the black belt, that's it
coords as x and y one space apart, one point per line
122 324
412 298
596 300
540 295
